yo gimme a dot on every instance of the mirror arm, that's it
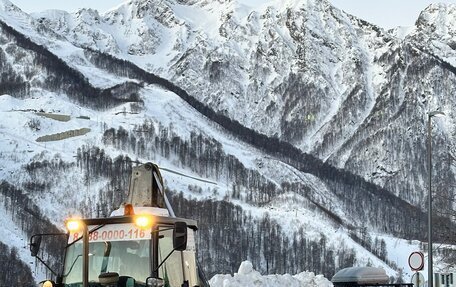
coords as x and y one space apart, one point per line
48 234
164 260
47 266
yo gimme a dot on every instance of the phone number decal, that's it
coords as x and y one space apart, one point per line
113 233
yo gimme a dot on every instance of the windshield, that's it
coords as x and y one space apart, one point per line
121 248
124 249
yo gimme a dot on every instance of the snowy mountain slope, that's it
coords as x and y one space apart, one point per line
277 69
289 154
60 189
303 71
58 46
243 46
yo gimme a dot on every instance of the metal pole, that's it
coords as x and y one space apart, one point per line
162 191
430 272
154 252
85 256
430 269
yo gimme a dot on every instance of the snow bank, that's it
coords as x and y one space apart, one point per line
247 276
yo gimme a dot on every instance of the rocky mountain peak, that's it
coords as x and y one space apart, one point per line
8 9
87 15
159 10
435 31
6 5
438 18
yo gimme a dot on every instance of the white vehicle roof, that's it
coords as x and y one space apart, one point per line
361 275
143 210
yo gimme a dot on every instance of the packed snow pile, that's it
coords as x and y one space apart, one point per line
247 276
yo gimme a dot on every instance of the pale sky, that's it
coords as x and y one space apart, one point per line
385 13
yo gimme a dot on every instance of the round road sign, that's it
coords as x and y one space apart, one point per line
416 261
418 279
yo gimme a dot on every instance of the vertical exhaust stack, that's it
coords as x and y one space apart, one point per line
146 188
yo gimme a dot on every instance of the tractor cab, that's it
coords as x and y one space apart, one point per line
140 244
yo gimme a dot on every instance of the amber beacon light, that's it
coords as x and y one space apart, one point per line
73 225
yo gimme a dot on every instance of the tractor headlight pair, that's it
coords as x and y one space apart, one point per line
143 221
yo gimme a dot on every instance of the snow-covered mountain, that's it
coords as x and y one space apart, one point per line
310 122
302 71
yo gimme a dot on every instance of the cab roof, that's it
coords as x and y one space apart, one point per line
130 219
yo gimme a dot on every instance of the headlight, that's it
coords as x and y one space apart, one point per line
73 225
143 221
47 283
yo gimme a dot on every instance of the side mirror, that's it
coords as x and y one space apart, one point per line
154 282
35 243
180 236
